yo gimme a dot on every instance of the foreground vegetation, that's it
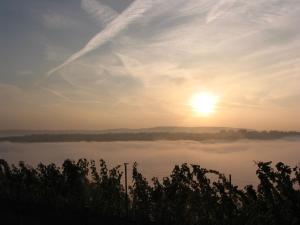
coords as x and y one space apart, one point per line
85 193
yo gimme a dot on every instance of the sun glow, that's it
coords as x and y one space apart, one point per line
204 103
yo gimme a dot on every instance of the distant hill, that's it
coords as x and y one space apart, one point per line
155 134
170 129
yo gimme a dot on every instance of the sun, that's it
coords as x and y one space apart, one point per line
204 103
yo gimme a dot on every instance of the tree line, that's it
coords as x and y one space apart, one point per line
88 192
227 135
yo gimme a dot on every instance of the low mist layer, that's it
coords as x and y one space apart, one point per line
158 158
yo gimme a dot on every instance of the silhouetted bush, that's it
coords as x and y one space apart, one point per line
85 193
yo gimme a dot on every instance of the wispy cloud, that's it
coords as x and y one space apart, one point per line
67 99
219 9
24 72
57 93
102 13
133 12
54 20
161 53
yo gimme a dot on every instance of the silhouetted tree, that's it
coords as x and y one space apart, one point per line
84 192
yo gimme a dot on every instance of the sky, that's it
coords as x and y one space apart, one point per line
98 64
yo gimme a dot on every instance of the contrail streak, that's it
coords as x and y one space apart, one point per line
129 15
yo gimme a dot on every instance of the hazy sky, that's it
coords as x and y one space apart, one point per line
93 64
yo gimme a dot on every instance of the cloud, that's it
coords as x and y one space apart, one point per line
248 52
68 99
9 88
129 15
102 13
88 81
219 9
57 93
24 72
11 95
54 20
55 53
